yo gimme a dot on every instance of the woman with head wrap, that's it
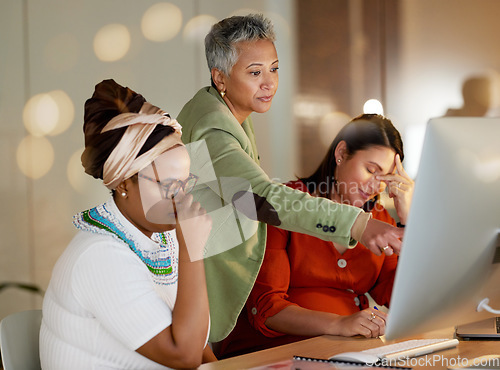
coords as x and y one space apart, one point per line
129 291
243 63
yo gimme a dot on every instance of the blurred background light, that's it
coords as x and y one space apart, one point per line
35 156
198 27
330 126
66 111
40 114
413 139
373 106
161 22
312 107
112 42
76 173
48 113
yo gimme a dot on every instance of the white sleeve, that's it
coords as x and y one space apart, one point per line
112 283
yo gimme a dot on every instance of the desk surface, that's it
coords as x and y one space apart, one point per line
327 345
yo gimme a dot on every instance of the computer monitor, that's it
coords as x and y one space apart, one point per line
450 258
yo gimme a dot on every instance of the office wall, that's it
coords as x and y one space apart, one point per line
443 46
49 64
414 56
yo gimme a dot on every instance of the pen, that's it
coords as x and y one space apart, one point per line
375 308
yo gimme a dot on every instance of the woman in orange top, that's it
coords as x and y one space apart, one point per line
302 292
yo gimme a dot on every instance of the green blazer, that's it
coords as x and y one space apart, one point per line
233 151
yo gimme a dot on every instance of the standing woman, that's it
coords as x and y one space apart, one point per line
300 294
243 64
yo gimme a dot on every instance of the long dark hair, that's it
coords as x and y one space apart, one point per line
362 132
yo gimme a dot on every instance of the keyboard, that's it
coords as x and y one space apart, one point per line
396 351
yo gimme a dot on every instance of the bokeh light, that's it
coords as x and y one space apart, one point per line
49 113
40 114
66 110
161 22
62 52
76 174
312 107
35 156
413 138
373 106
112 42
330 126
198 27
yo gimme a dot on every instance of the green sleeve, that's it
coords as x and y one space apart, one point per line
293 210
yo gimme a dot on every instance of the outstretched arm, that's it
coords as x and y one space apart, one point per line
291 209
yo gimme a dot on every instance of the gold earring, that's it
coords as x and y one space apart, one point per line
222 93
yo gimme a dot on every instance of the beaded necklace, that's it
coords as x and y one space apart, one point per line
101 220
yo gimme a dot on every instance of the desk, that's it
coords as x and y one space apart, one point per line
327 345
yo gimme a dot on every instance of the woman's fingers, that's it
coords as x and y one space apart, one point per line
193 225
380 237
400 176
374 322
400 187
400 168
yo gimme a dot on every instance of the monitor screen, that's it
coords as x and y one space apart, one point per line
450 258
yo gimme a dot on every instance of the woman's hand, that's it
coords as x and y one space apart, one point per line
380 237
296 320
369 323
193 225
400 187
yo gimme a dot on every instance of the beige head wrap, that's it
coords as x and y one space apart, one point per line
123 161
124 133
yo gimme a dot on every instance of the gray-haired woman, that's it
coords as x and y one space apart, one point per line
243 64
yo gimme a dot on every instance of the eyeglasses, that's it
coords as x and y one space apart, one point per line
170 188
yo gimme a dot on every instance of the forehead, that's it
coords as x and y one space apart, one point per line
377 155
173 163
259 51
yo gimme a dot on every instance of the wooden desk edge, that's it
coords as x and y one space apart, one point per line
325 346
